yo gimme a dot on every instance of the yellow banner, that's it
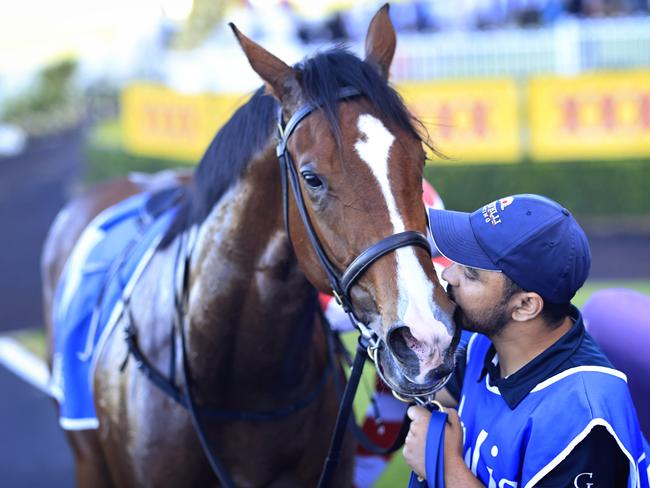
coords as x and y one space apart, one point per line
599 116
160 122
468 121
596 116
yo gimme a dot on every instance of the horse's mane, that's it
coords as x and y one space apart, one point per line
249 130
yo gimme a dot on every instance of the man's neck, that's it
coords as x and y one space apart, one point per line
521 342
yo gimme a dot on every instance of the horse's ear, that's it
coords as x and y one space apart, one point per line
280 78
381 41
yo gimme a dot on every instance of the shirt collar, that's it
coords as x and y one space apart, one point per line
515 387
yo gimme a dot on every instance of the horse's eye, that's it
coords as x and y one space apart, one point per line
311 179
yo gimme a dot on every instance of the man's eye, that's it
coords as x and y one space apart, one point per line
469 274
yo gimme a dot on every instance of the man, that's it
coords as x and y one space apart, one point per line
538 403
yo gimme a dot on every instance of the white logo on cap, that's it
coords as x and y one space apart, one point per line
491 213
504 202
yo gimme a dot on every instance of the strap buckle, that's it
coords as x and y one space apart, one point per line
338 298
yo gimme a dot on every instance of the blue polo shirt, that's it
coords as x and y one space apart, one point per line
564 419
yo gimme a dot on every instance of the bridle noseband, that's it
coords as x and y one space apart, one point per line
340 283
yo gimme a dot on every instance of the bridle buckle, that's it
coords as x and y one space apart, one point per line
338 297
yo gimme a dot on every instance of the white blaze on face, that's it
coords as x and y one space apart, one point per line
415 303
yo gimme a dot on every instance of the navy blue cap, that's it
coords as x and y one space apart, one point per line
535 241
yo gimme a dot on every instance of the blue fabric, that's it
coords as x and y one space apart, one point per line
434 454
517 447
93 281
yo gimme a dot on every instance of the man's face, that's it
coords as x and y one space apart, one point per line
482 306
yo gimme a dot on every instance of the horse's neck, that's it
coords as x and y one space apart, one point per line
251 309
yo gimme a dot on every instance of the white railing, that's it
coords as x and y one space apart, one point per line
568 47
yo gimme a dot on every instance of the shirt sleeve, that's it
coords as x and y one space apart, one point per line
596 461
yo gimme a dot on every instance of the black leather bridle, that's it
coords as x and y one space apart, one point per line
340 283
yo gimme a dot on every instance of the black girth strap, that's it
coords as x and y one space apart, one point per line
186 398
175 393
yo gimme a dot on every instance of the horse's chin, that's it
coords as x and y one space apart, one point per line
390 372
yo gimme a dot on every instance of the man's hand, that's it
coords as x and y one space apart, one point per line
453 437
416 439
456 473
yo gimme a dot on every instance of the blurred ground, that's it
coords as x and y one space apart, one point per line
33 451
33 187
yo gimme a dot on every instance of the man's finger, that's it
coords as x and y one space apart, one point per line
452 416
414 412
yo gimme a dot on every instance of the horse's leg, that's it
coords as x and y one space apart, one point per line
91 469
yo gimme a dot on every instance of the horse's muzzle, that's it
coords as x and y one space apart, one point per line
401 378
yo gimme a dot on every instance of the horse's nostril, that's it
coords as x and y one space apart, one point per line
401 343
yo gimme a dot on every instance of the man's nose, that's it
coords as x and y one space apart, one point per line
450 274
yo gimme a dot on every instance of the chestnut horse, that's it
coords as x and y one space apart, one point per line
249 322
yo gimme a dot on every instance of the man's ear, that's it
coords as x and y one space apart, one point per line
526 306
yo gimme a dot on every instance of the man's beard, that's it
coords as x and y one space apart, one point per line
489 322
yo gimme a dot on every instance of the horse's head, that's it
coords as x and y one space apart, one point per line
358 162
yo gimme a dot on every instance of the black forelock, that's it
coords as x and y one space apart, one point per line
321 77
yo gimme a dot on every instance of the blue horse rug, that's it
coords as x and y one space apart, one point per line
105 264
